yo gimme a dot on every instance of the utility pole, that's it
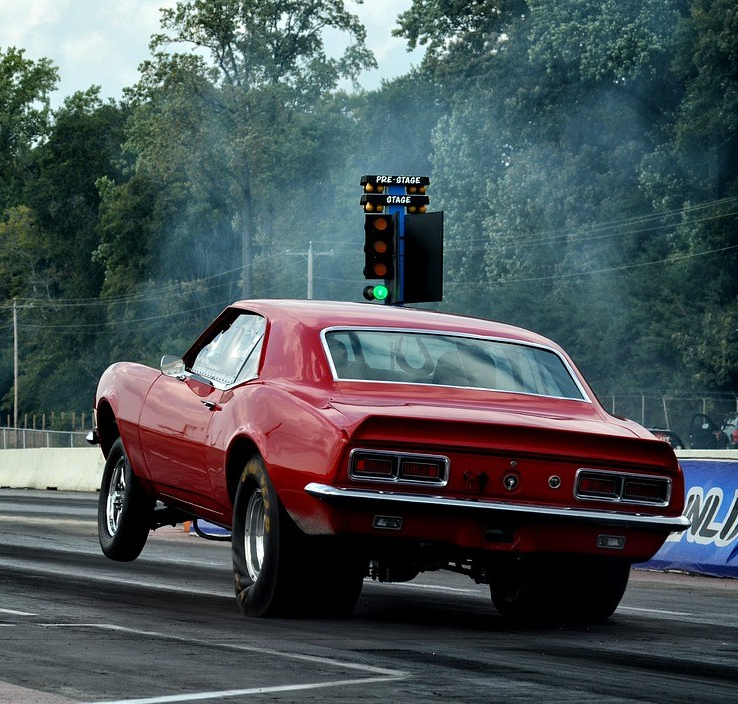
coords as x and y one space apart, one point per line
310 272
310 254
15 364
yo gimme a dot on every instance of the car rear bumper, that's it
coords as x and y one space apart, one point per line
629 520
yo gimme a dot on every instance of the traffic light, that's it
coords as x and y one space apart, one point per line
404 242
380 246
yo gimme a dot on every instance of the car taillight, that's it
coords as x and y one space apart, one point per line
600 487
374 467
628 488
647 491
398 467
419 471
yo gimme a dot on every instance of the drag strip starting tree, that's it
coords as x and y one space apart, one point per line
403 243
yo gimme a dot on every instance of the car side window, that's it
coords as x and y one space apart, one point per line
232 356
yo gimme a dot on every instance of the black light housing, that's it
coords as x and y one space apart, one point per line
380 246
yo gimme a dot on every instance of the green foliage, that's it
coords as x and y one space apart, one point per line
557 191
24 116
585 154
25 256
240 119
259 43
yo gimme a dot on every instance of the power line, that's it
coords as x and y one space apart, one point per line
572 237
576 234
623 222
117 323
669 260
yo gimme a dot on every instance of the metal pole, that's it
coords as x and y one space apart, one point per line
310 255
398 288
15 364
310 271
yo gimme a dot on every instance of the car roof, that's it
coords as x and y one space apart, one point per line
324 314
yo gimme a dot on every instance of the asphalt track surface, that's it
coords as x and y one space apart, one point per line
77 628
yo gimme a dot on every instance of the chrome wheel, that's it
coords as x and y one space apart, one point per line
253 540
116 496
125 512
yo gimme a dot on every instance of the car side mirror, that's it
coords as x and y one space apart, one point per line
171 365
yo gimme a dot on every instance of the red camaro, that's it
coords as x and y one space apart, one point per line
338 441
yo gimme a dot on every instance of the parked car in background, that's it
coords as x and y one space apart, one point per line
668 436
730 430
342 441
705 434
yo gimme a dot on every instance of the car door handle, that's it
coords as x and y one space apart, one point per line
210 404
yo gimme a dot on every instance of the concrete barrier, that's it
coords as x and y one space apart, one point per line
63 468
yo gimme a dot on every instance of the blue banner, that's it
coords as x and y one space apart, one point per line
710 545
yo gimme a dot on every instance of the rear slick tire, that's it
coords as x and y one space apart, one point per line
124 510
559 589
280 571
263 546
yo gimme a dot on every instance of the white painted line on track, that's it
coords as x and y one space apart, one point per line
660 612
439 588
29 566
40 520
202 696
315 659
380 674
13 612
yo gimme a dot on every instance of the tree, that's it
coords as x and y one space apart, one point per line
540 161
25 86
47 246
83 145
694 173
26 269
239 118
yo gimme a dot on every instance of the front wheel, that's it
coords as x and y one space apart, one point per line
559 588
124 510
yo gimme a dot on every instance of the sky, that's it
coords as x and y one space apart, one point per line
102 42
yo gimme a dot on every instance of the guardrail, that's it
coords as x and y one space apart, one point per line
31 439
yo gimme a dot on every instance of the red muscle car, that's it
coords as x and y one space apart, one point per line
339 441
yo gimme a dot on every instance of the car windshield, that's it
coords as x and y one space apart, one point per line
449 360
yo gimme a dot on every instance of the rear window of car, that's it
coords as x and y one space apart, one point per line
449 360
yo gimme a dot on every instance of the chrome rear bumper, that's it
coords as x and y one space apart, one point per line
609 518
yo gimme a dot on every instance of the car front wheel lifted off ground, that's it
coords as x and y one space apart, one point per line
124 511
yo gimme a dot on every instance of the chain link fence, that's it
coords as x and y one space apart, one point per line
673 412
651 409
28 438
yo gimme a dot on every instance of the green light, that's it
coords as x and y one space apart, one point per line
380 292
